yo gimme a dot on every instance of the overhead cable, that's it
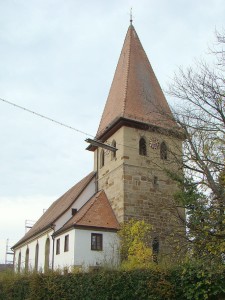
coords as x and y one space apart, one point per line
56 122
44 117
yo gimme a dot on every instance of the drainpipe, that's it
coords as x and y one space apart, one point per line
96 184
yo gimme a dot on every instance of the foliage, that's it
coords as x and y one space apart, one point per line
197 280
200 114
13 286
135 247
188 281
205 231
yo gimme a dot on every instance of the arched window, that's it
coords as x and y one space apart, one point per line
47 252
142 147
36 257
113 154
102 158
19 263
163 151
155 249
27 260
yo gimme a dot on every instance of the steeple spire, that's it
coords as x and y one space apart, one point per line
135 93
131 16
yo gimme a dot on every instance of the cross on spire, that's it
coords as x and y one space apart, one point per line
131 16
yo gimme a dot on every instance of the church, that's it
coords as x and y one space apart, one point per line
136 141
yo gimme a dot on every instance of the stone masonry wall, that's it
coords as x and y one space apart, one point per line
137 186
110 176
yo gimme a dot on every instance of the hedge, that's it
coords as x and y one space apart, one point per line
180 282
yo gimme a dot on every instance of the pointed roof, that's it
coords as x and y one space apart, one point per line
97 212
57 208
135 92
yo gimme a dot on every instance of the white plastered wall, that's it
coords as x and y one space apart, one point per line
81 200
65 259
86 257
41 240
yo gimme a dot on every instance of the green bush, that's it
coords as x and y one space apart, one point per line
188 281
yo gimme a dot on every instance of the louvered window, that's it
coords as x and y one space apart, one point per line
163 151
102 158
142 147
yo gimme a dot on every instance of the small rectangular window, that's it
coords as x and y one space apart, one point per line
155 180
66 243
58 246
96 241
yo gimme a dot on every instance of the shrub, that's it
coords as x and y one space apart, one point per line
192 280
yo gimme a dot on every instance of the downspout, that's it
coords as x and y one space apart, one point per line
74 246
96 183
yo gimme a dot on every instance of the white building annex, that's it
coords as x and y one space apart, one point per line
80 228
72 232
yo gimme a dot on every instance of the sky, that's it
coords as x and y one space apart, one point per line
57 58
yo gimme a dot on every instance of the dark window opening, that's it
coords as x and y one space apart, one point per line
74 211
36 257
66 243
155 180
102 158
113 152
96 241
19 263
58 246
27 260
142 147
163 151
47 252
155 249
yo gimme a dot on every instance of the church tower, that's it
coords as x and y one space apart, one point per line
138 122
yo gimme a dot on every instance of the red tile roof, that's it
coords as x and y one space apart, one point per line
97 212
57 208
135 93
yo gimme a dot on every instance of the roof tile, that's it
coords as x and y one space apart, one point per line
97 212
57 208
135 93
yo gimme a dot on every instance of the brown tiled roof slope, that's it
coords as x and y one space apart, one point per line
135 93
97 212
57 208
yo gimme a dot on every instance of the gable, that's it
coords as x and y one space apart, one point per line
97 212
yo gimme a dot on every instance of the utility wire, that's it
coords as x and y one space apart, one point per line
44 117
56 122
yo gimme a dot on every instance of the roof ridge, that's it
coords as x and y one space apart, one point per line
127 73
51 214
91 174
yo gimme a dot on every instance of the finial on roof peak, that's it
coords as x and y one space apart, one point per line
131 16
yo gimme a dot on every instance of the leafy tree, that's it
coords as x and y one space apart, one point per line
135 250
200 114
